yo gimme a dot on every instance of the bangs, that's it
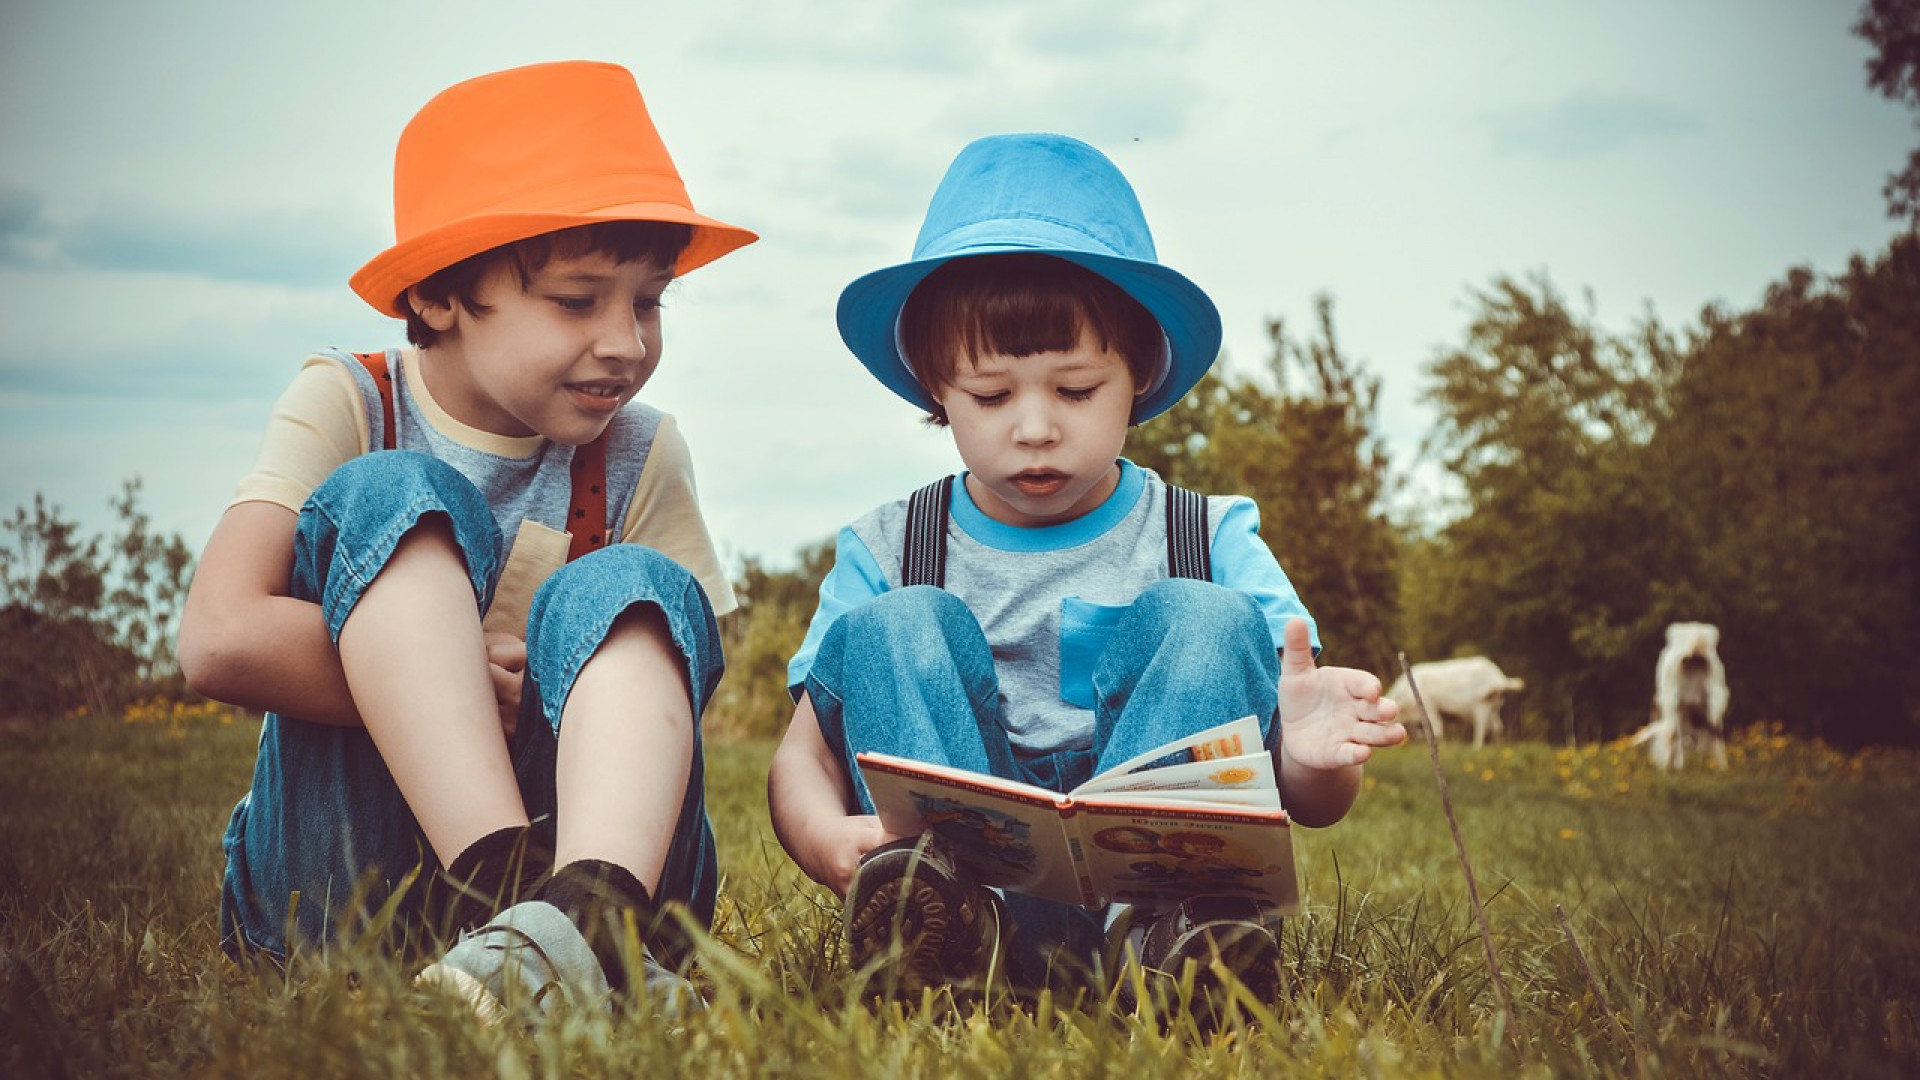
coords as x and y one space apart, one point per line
1021 305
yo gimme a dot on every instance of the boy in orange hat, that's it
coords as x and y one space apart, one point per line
469 581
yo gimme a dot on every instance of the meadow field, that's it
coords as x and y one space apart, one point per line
1755 923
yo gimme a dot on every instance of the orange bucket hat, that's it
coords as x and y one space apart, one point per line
528 151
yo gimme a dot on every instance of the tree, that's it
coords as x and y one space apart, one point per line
1893 28
1340 548
1790 441
1759 475
149 575
1548 569
88 622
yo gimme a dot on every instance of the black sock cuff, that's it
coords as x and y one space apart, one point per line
586 887
596 895
493 873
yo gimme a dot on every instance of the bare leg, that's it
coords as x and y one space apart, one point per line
417 665
626 743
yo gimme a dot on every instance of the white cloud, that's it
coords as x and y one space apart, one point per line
1587 124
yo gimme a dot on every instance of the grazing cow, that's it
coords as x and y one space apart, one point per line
1689 698
1469 689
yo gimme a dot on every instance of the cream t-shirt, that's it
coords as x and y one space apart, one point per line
320 423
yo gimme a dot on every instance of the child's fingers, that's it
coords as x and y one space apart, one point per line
506 650
1379 733
1297 656
506 692
1389 710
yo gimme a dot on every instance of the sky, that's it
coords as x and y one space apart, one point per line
186 187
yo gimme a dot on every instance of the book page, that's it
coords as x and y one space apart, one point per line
1244 780
1142 851
1003 832
1231 739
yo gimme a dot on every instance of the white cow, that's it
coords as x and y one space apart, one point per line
1468 689
1689 698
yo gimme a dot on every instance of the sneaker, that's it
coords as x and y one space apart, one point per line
1231 934
532 959
908 896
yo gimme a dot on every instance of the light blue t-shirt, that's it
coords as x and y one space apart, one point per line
1047 598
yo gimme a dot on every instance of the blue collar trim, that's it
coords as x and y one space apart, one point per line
1068 534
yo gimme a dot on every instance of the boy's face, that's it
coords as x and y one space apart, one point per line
557 358
1040 433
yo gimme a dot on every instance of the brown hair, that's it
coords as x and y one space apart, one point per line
625 241
1018 304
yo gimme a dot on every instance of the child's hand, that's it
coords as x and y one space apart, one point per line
507 663
1330 717
838 845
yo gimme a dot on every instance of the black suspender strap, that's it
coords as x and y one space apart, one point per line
1188 544
923 558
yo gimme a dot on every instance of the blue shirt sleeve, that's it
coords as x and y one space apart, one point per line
1243 562
856 578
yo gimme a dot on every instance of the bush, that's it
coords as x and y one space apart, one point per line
88 623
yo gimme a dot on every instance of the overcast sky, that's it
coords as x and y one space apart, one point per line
186 186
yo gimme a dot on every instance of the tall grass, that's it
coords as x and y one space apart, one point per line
1760 922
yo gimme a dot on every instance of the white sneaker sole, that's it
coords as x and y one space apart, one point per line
459 984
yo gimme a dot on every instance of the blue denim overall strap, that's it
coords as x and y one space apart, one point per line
923 558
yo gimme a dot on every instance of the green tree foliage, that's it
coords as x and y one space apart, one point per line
760 637
1299 442
87 622
1791 447
1759 476
1892 27
1541 416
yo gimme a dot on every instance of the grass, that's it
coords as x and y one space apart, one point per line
1760 922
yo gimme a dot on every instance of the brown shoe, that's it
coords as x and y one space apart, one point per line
907 901
1235 935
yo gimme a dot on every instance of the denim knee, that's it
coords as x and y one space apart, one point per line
354 520
918 636
1187 621
1189 647
1195 608
575 608
904 622
910 673
571 615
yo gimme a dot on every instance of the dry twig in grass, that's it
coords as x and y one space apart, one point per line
1466 865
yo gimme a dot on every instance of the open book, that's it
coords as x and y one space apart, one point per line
1199 815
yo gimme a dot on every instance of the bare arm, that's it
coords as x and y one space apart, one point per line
1332 719
244 640
806 792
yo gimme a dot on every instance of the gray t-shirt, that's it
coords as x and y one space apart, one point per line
1047 598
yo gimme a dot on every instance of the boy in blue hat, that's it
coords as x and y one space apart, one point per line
1054 610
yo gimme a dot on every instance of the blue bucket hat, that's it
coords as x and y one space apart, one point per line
1045 195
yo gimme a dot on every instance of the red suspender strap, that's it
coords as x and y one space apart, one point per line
587 517
587 514
376 365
